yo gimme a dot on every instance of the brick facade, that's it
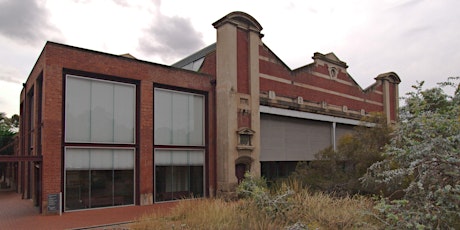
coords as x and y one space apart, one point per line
238 74
56 60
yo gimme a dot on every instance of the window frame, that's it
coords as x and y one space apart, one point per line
173 147
203 125
114 82
105 145
155 192
89 170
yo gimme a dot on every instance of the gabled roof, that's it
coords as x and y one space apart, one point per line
128 55
330 57
196 56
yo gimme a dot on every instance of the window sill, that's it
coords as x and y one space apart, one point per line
244 147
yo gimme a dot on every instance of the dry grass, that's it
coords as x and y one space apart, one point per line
325 212
317 211
204 214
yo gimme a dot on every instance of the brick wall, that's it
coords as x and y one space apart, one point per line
56 59
315 85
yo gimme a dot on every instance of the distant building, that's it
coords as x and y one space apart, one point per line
108 130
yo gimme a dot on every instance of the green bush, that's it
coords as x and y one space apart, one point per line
338 171
423 161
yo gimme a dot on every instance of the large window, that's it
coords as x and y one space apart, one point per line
179 174
98 177
99 111
179 118
100 143
179 145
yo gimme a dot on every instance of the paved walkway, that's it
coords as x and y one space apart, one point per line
16 213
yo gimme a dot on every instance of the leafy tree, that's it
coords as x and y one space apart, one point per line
423 161
8 128
339 171
8 125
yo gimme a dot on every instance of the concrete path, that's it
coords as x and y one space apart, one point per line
17 213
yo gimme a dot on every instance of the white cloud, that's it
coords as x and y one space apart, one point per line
26 22
9 99
418 39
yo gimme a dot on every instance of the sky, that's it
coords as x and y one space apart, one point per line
417 39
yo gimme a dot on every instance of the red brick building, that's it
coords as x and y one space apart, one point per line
107 130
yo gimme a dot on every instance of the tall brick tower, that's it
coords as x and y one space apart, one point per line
237 92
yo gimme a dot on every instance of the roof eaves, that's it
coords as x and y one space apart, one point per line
197 55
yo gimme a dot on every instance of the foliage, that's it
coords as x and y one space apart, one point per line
8 125
251 187
423 160
287 207
339 171
8 128
273 205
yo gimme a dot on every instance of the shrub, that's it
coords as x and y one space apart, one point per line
423 160
338 171
286 207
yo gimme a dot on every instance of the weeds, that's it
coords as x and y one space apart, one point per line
287 207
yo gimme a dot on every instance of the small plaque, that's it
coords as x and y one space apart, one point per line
54 202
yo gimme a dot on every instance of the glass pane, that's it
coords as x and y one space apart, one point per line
196 125
77 189
163 176
123 159
101 188
196 181
163 157
77 158
196 158
99 111
101 159
123 187
183 178
180 158
163 117
180 118
109 176
124 111
102 112
78 105
180 181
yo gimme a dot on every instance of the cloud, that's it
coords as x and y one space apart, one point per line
9 79
124 3
25 21
10 74
170 37
406 5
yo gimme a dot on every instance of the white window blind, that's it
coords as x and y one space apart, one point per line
98 159
123 159
101 159
179 157
99 111
179 118
77 159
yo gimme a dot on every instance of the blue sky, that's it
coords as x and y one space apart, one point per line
417 39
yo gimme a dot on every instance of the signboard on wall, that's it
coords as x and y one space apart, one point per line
54 203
